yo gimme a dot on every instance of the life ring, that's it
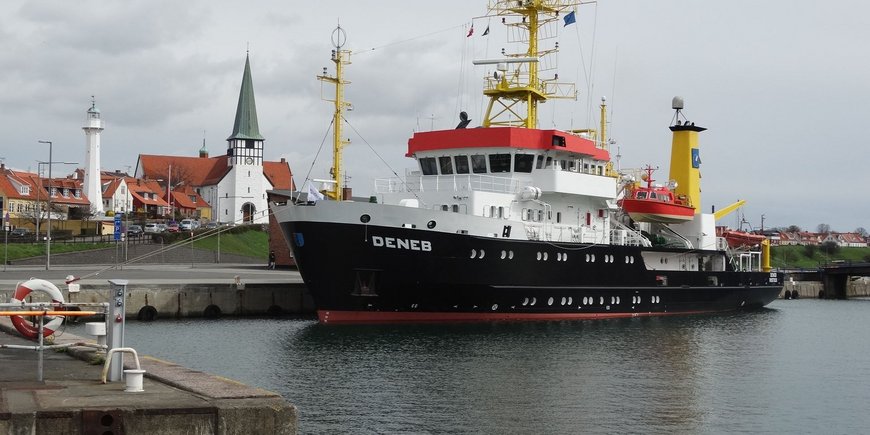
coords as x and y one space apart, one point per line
51 323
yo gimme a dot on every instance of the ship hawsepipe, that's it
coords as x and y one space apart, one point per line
390 274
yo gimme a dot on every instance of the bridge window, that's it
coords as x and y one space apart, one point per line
558 217
549 163
478 164
499 163
428 166
523 162
540 163
461 164
446 164
558 141
641 195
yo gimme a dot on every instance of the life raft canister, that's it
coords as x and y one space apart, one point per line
51 323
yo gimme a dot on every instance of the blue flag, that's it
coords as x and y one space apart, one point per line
571 18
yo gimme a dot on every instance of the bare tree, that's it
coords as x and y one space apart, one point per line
861 231
793 229
823 229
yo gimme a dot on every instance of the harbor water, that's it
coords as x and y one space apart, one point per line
795 367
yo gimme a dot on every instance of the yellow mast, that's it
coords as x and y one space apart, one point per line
340 58
509 90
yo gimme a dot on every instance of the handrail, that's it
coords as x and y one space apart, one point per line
109 360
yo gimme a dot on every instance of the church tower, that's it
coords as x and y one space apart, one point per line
92 185
243 197
245 144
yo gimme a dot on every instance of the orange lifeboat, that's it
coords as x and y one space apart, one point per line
656 203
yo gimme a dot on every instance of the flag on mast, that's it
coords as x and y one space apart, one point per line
313 194
485 32
470 31
571 18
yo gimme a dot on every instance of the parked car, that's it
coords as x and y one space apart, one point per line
134 230
152 228
211 225
20 232
162 227
173 228
189 224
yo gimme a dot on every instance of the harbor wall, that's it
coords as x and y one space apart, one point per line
810 289
163 301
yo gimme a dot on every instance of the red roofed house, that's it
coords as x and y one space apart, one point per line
234 184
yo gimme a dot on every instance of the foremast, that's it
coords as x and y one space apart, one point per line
509 91
340 58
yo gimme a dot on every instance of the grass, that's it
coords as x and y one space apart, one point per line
26 250
247 241
250 243
810 258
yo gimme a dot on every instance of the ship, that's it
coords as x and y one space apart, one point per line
508 221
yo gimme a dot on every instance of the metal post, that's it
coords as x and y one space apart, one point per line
218 203
39 363
115 323
6 240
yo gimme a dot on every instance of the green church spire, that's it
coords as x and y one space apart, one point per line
246 126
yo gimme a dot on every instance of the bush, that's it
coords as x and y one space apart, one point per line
830 248
810 251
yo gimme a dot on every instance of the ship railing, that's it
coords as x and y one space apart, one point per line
625 236
449 183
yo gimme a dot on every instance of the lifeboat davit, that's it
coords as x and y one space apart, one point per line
656 203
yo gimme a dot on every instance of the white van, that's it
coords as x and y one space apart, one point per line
188 224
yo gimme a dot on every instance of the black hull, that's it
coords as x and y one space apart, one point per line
360 273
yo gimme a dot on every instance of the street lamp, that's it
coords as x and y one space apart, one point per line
48 230
218 204
48 226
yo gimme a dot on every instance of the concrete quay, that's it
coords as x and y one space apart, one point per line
176 400
179 290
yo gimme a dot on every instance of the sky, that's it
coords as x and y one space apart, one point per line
781 86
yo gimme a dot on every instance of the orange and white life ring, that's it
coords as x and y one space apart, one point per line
51 323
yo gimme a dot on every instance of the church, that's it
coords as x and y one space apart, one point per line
234 184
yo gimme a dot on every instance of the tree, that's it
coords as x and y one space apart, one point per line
823 229
830 247
861 231
793 229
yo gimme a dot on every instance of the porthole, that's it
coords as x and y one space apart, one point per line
626 259
612 300
652 299
482 253
510 255
570 300
565 257
658 299
534 300
550 301
587 258
564 300
430 224
545 256
617 300
558 256
632 259
474 253
538 256
525 301
593 258
601 300
503 255
494 307
585 300
365 218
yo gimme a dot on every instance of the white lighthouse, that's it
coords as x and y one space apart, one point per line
93 127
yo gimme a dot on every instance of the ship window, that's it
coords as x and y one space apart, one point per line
428 166
455 208
501 212
549 162
461 164
540 163
523 162
492 211
641 195
478 164
652 195
558 141
446 165
563 164
572 165
586 168
540 215
558 217
444 207
499 163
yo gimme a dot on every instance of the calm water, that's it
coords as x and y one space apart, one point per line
797 367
